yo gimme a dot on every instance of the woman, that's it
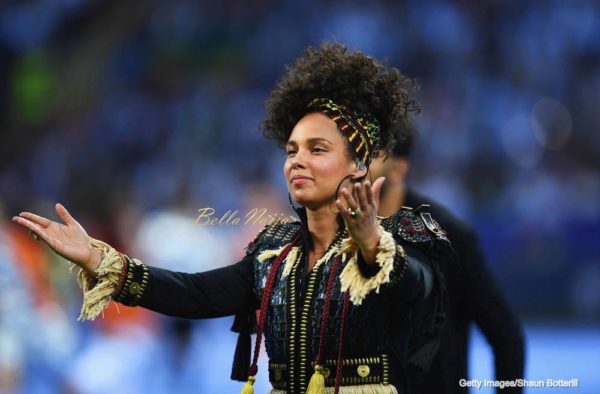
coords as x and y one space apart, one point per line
338 292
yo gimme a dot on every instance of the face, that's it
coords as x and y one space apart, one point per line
317 160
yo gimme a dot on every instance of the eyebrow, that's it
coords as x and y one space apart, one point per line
310 140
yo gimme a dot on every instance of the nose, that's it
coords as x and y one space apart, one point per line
298 160
295 164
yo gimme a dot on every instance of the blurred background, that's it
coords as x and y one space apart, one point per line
135 115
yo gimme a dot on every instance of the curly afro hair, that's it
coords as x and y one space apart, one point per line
355 80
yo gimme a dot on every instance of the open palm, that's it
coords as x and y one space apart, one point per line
69 240
360 210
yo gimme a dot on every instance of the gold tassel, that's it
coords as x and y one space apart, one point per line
317 382
249 386
362 389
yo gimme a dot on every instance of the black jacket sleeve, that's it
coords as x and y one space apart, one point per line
216 293
417 282
411 279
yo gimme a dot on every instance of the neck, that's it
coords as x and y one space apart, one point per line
322 226
392 199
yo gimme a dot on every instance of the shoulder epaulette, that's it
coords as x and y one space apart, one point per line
274 235
414 225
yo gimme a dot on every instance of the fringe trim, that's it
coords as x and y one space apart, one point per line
332 252
361 389
290 261
292 257
98 291
267 254
351 278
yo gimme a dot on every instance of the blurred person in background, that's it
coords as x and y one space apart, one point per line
168 239
35 336
14 301
337 290
155 354
473 295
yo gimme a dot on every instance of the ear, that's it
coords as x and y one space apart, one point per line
361 170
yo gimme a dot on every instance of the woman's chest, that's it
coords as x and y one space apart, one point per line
306 310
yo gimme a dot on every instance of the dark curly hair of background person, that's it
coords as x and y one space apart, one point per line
354 79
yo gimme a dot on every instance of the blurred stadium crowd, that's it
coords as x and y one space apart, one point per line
135 115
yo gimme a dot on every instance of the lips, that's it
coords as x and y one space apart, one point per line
299 179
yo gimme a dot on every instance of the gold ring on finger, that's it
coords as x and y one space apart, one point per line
34 235
353 212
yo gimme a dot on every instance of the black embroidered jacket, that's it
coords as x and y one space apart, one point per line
400 296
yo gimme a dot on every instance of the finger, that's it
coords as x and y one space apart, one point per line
350 201
343 210
362 196
377 189
64 214
36 228
343 196
36 219
369 193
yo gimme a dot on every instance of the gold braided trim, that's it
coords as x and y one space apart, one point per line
351 278
97 291
360 389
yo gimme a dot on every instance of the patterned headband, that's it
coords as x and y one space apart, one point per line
361 130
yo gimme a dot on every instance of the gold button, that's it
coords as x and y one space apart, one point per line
326 372
135 288
363 371
277 375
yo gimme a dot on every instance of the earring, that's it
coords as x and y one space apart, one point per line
292 203
361 166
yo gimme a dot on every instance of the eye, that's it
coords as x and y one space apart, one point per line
318 149
290 152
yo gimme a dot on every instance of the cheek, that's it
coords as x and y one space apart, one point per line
287 167
334 169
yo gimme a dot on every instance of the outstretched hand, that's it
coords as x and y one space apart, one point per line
360 214
69 240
